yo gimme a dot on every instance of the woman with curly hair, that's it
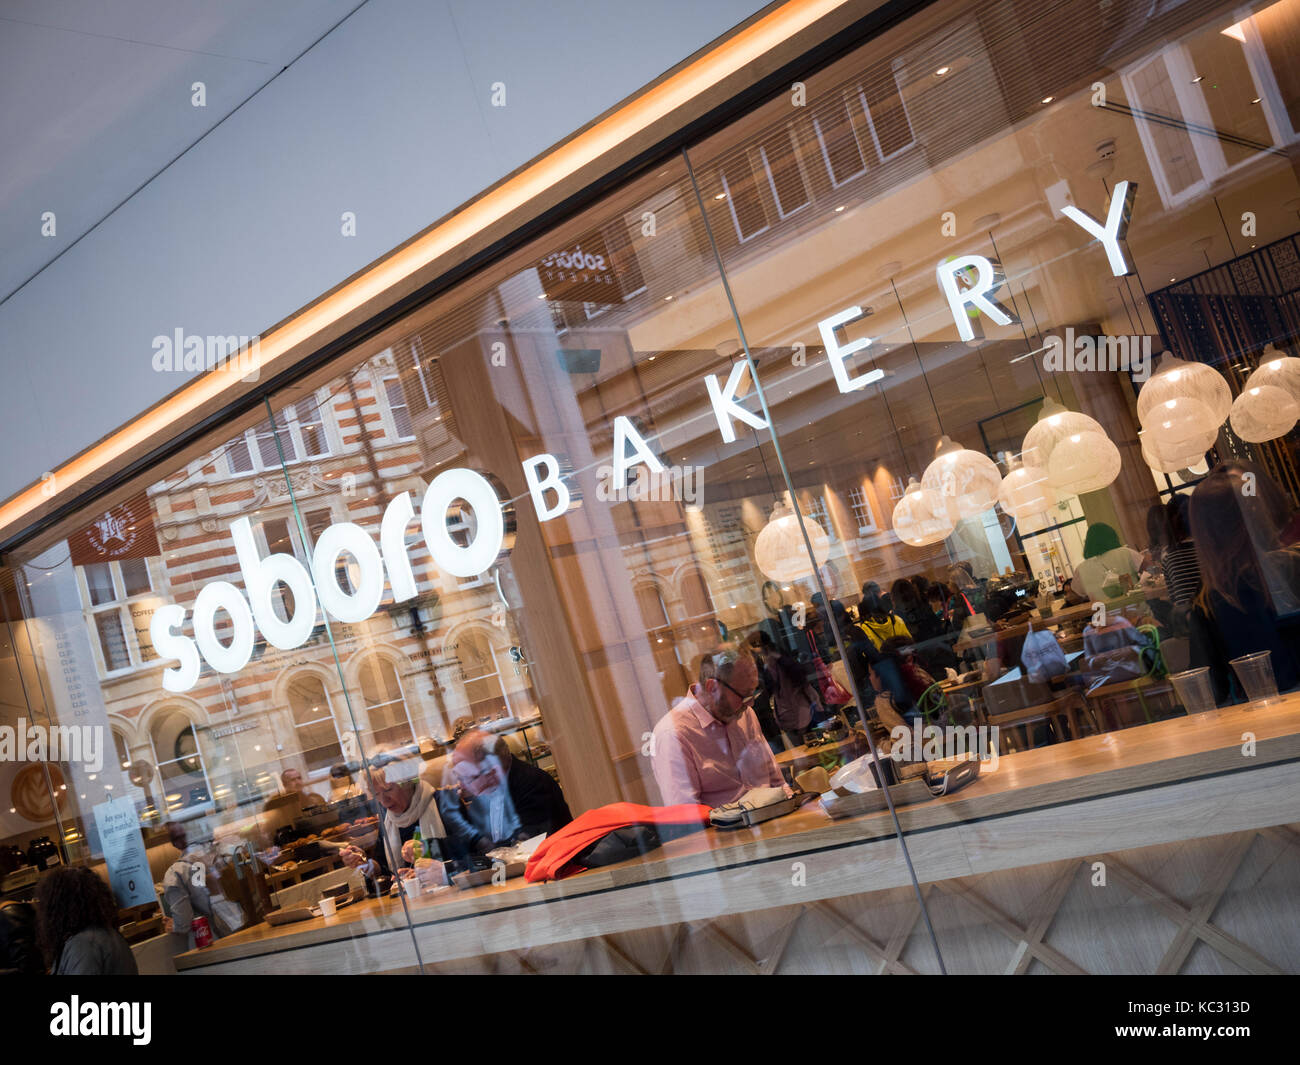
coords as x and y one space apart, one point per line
76 923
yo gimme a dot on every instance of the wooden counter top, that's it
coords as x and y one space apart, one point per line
1152 783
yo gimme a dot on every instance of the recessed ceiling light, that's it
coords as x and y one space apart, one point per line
667 298
1255 101
839 209
1173 279
1198 79
1048 99
942 71
542 296
720 196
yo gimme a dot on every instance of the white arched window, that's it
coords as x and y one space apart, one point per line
381 690
180 762
315 727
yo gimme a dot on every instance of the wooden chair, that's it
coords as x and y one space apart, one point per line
1153 683
1020 703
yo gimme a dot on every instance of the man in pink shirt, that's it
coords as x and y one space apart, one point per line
709 747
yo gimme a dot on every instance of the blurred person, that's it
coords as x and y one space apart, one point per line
192 888
876 617
1178 561
708 748
1251 578
343 785
20 954
794 701
1104 555
929 633
76 925
502 800
291 783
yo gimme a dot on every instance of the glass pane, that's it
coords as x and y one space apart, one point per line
397 404
112 640
571 628
223 750
311 427
1007 530
99 582
135 576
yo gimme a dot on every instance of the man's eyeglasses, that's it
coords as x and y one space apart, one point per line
745 700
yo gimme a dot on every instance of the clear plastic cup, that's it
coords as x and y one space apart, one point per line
328 906
1194 689
1256 675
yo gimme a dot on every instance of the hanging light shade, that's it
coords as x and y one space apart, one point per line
1025 492
779 550
1172 464
1264 412
1083 462
1179 426
966 481
920 517
1280 371
1054 424
1194 380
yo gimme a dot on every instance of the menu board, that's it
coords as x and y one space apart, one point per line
123 846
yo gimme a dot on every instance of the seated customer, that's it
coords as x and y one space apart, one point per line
408 804
1105 559
502 800
708 748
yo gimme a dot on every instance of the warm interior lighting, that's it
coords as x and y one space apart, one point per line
734 55
1237 31
942 71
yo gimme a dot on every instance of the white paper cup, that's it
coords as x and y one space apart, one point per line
328 906
411 885
1256 675
1194 689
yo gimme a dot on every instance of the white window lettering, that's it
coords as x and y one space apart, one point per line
987 279
623 433
838 353
1116 227
359 605
392 538
725 407
260 578
539 485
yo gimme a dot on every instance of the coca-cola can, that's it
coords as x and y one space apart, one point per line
202 932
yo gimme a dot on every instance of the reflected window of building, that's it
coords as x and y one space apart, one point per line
180 763
109 591
481 675
398 408
315 727
299 433
381 690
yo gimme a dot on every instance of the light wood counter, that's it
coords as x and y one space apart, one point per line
1228 770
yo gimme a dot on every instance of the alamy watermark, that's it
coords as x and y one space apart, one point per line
1101 353
684 484
931 743
192 353
56 743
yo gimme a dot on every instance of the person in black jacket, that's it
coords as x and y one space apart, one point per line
20 955
501 800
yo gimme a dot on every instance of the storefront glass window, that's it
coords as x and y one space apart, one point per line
834 451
